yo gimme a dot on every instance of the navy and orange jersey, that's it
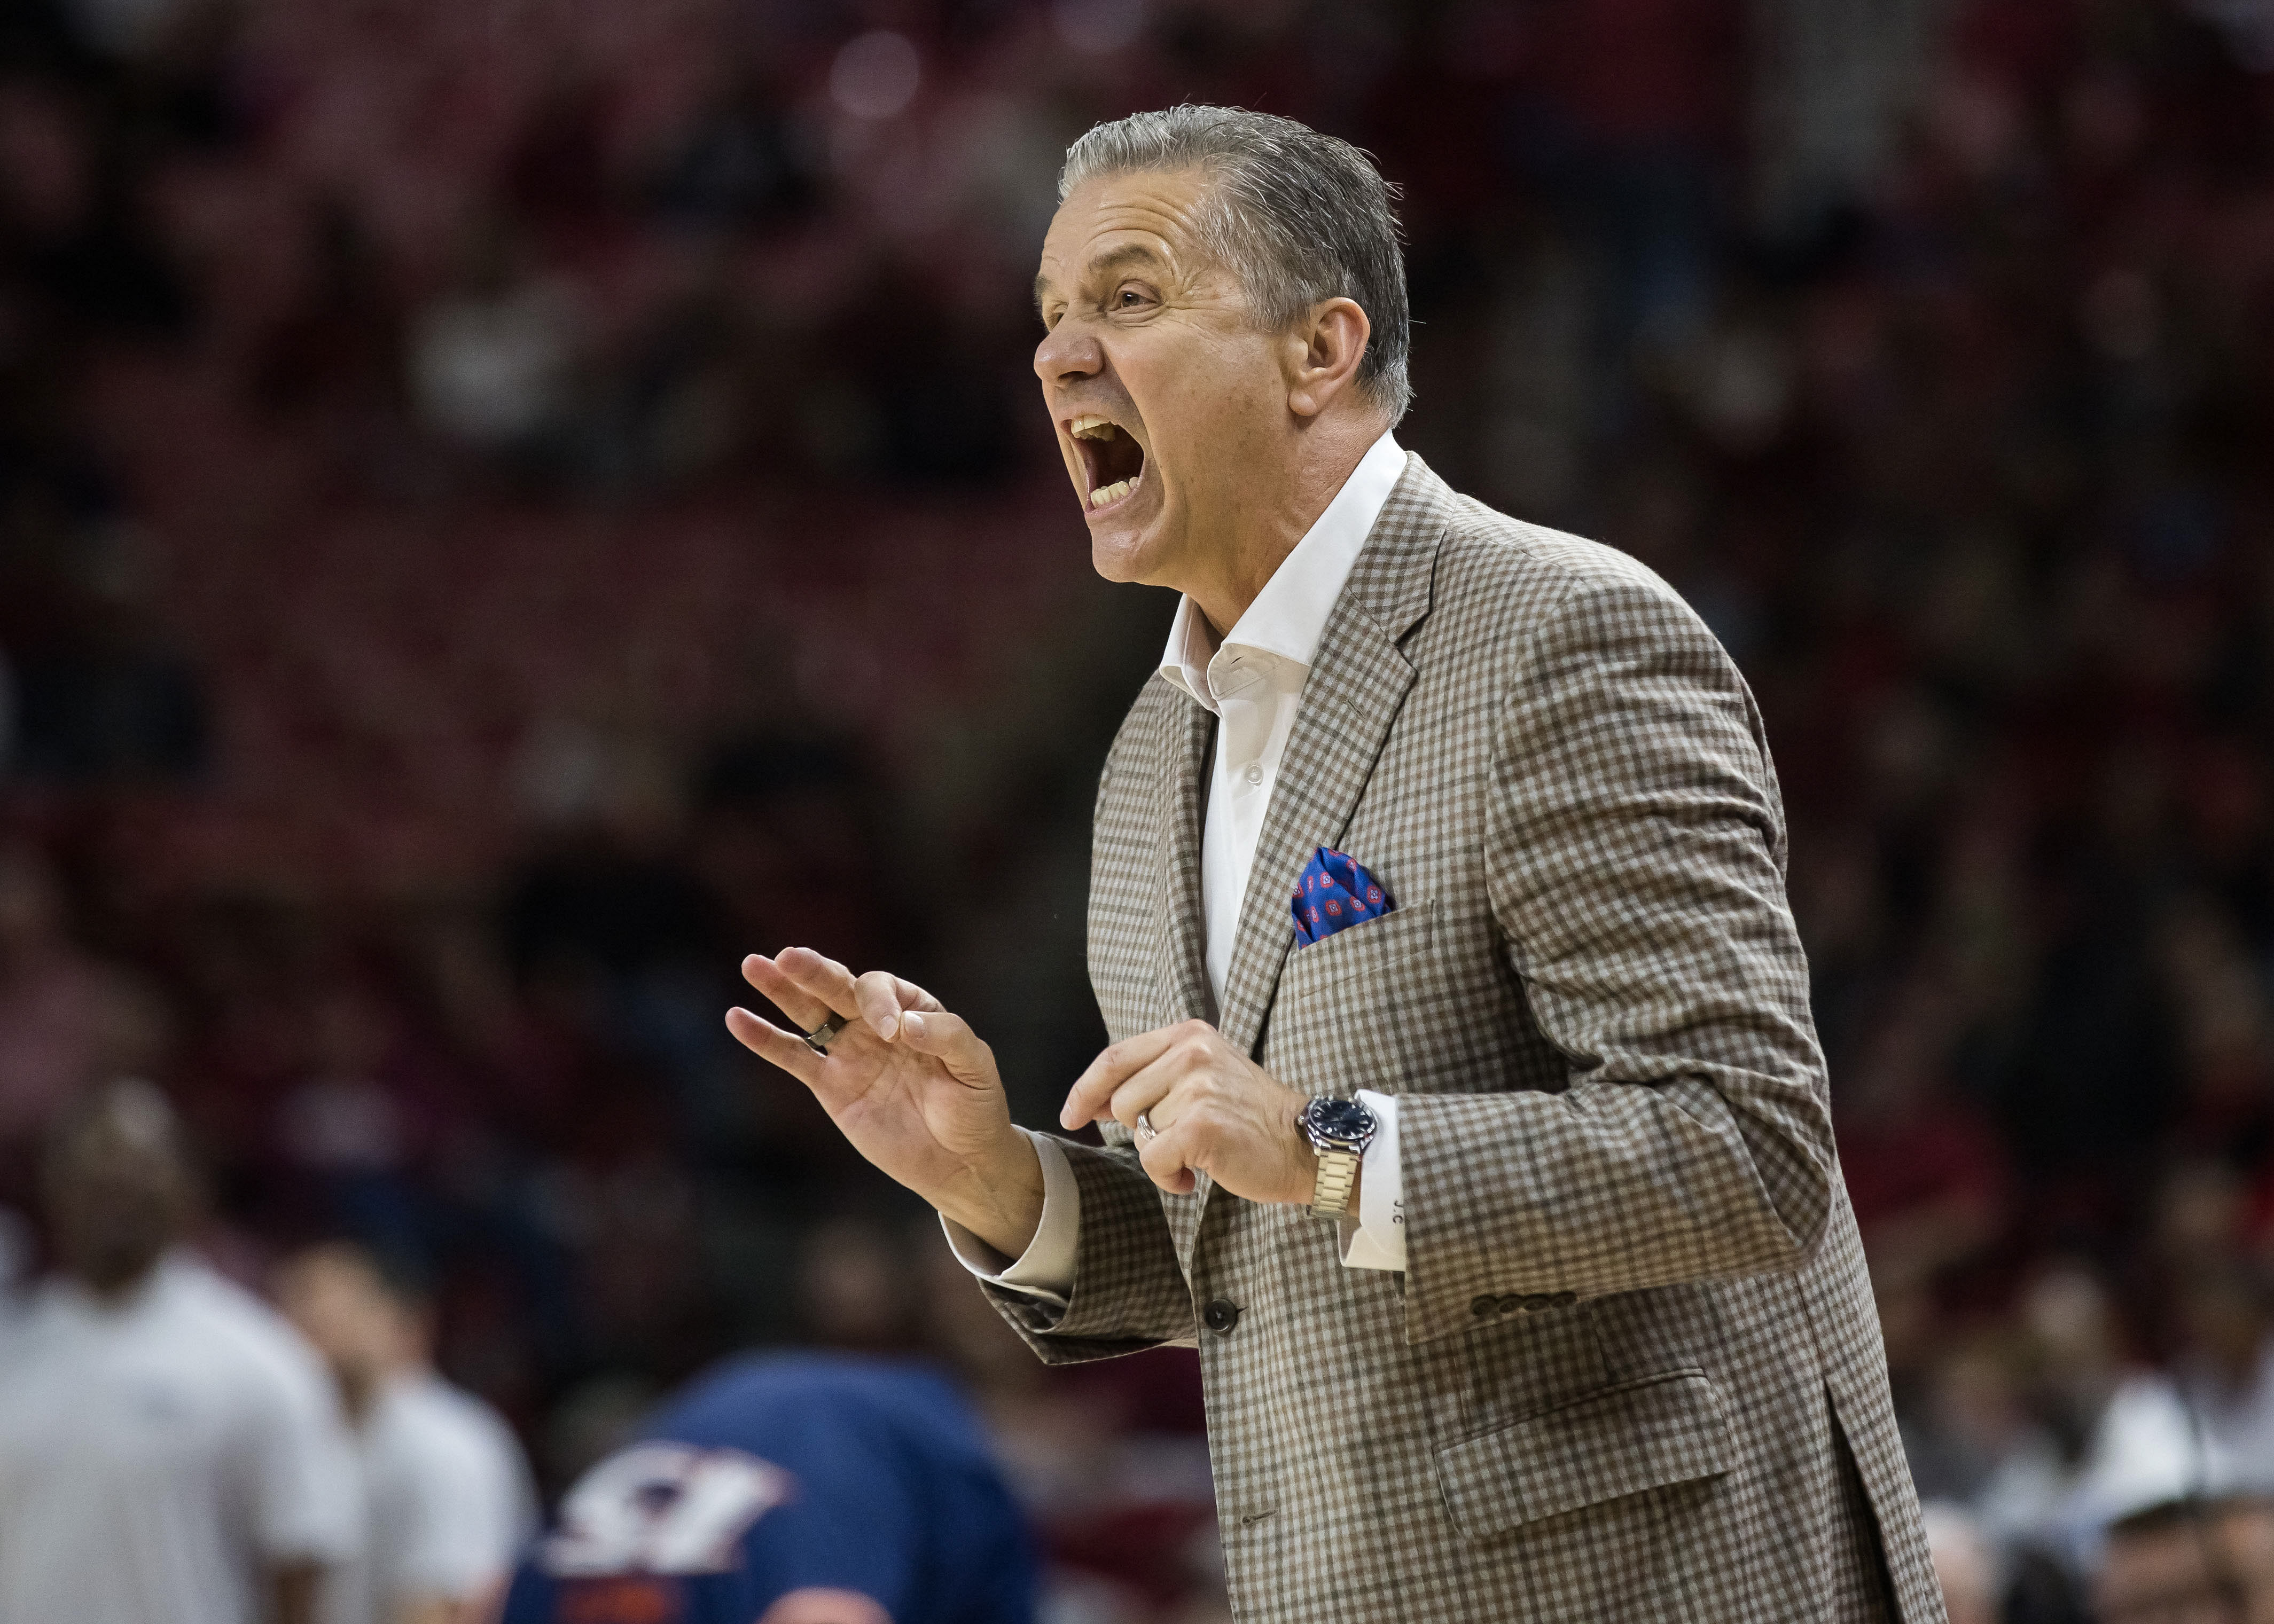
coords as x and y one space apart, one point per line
780 1473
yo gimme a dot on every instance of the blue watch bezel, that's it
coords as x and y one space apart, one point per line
1334 1123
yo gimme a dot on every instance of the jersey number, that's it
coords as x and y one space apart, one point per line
663 1508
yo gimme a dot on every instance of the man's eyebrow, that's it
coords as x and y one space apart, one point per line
1113 259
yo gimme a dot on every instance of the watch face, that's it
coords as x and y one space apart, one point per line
1343 1122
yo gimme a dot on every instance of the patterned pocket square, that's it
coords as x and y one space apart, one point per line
1334 894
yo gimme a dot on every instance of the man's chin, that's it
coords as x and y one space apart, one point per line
1128 551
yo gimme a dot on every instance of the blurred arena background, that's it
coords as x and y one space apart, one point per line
506 505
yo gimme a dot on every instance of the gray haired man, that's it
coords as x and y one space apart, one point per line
1507 1221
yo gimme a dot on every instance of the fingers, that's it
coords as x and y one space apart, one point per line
1147 1092
1087 1101
768 1041
825 980
1163 1158
801 1008
877 997
947 1039
882 999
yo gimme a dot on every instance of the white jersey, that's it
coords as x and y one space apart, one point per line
448 1500
159 1454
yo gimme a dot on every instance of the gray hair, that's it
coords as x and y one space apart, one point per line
1299 216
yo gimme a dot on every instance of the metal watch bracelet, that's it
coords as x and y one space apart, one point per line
1337 1172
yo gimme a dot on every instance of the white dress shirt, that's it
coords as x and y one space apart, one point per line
1254 682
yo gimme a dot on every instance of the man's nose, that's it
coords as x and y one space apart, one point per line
1066 354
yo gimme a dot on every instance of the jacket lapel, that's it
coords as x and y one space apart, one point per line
1188 738
1357 681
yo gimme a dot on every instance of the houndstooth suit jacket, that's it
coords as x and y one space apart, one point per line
1632 1370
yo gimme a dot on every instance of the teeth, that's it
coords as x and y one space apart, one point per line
1115 492
1090 428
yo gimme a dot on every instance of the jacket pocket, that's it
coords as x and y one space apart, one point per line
1356 1010
1363 941
1666 1429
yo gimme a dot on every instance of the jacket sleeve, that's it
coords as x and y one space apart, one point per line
1129 1292
1634 859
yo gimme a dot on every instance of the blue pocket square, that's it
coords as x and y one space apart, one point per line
1334 894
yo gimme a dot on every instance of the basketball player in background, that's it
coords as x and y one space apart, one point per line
446 1494
790 1489
170 1452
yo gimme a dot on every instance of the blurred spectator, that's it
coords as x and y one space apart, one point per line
606 908
2225 1364
73 218
170 1452
605 896
1965 1563
126 27
102 697
790 1490
740 163
788 838
1962 1406
114 707
348 1126
330 359
2110 1434
1925 1172
2189 1562
446 1496
494 360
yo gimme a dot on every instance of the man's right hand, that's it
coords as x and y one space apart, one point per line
909 1084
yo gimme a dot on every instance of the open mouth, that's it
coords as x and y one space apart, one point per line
1112 462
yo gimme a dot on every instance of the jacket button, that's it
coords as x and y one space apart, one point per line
1539 1300
1220 1316
1565 1299
1484 1307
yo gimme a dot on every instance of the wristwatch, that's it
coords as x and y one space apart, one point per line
1339 1130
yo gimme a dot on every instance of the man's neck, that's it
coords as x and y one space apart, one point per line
113 1289
1255 543
362 1387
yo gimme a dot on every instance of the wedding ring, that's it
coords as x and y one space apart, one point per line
1146 1132
817 1039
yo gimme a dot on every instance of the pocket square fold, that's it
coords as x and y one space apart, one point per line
1334 894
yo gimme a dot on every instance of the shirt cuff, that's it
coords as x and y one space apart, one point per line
1044 1271
1375 1239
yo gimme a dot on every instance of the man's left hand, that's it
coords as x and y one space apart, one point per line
1213 1111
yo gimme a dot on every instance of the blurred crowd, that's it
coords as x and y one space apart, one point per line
506 505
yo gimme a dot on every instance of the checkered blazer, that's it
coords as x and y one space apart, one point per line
1632 1370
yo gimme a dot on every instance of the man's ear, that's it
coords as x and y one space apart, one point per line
1324 353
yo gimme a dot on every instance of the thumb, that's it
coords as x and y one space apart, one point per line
876 995
949 1039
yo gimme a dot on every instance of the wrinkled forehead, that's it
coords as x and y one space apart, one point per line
1150 222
